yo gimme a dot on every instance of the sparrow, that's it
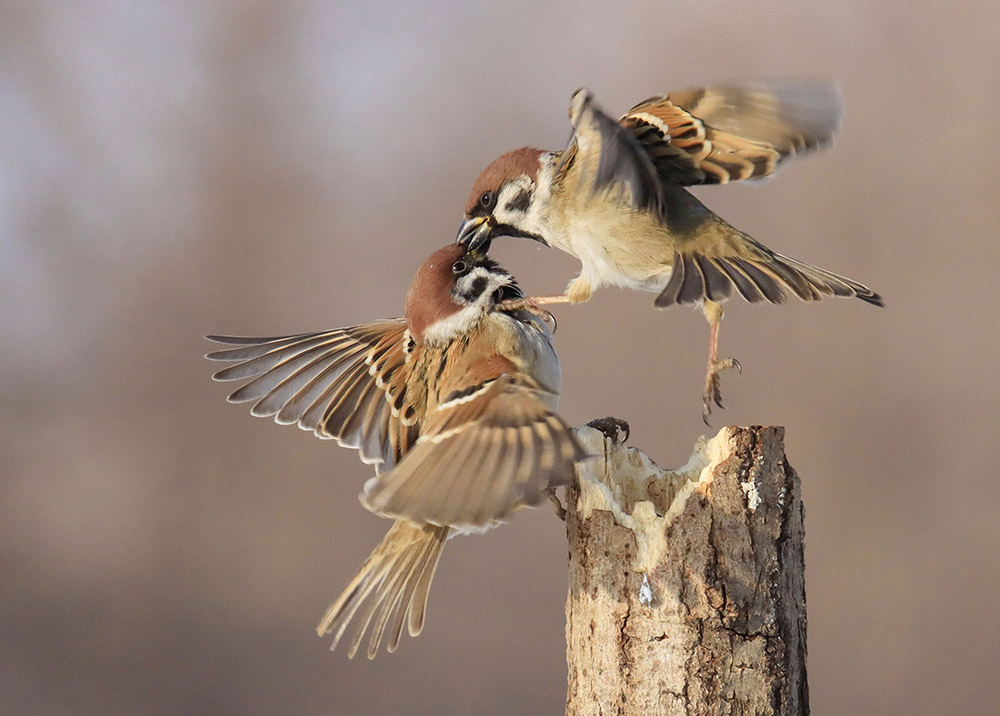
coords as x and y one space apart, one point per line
615 198
454 405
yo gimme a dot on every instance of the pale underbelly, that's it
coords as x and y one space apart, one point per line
622 257
602 270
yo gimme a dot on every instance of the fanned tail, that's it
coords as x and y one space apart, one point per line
757 275
393 585
825 282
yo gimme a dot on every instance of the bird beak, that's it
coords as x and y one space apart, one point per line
477 233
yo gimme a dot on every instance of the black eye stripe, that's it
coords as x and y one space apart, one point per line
475 291
519 202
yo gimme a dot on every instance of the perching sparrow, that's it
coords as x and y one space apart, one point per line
454 407
615 199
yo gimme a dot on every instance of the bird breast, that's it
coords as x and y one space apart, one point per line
616 244
521 339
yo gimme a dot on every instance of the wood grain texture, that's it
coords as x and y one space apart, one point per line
686 588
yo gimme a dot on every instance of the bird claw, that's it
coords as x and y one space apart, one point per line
713 385
548 317
526 304
611 427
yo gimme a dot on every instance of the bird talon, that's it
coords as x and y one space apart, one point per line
550 318
527 304
706 401
713 385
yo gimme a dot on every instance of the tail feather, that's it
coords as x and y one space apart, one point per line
422 588
829 283
383 603
393 585
759 274
425 565
391 603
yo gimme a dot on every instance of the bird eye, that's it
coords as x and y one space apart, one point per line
488 200
458 267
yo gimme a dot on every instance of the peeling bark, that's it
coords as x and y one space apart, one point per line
687 587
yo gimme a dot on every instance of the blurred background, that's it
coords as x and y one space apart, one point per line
170 169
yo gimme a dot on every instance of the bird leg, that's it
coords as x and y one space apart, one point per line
542 300
713 390
578 291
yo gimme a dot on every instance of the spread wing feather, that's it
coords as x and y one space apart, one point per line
481 455
715 135
623 164
347 384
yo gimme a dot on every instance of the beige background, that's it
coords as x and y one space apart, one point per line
169 169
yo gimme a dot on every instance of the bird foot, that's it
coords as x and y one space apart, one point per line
611 427
713 385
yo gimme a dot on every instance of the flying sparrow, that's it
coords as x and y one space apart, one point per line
615 199
453 405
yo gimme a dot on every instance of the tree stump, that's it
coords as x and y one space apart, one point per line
687 587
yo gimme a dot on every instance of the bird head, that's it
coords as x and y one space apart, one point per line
452 290
507 197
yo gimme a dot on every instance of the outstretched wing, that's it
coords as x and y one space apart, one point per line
347 384
488 449
609 157
715 135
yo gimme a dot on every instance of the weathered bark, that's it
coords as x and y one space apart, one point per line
687 587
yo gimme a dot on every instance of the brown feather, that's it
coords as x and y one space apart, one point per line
429 298
441 481
403 563
758 273
309 385
409 590
717 286
744 285
322 382
515 163
375 387
719 134
693 288
418 603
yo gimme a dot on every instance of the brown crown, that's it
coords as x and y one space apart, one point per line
523 161
429 298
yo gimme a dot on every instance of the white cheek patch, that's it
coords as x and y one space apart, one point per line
454 325
475 290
